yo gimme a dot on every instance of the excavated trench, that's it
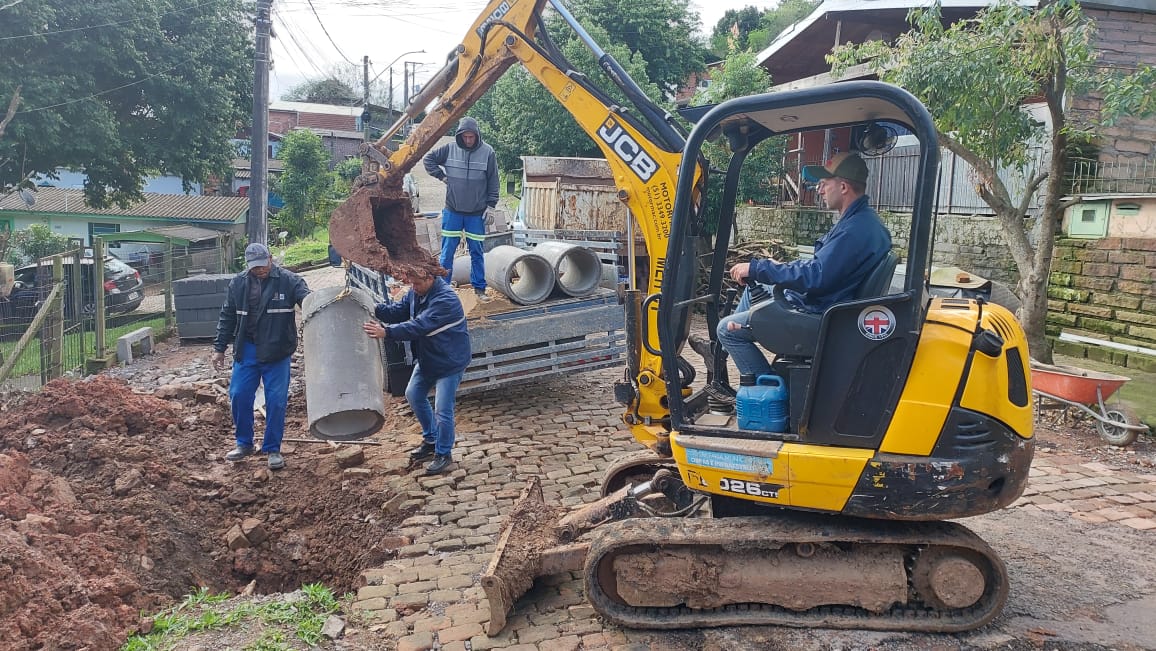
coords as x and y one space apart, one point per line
115 503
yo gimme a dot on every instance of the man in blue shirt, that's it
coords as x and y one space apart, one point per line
430 316
844 257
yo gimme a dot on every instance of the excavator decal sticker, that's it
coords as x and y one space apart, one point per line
498 14
876 322
743 487
727 461
627 149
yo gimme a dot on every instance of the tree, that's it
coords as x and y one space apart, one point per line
663 32
975 77
304 183
739 76
777 20
124 88
518 116
324 91
731 31
38 241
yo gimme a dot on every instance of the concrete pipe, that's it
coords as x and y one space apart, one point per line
609 276
344 379
460 274
526 278
577 269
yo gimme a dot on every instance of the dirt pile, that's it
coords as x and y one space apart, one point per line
113 502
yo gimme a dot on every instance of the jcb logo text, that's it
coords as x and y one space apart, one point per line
627 149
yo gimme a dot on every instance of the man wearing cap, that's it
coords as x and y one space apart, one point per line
843 259
258 319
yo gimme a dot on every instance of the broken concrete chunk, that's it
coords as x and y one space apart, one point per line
350 455
236 538
254 530
333 628
127 482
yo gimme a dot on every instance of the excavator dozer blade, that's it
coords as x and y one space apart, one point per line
528 547
374 227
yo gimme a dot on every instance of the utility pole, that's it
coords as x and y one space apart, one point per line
256 228
365 115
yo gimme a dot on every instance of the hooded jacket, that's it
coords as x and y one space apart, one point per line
435 323
471 175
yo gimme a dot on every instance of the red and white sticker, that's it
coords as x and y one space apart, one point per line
876 322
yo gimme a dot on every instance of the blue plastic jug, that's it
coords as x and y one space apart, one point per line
762 404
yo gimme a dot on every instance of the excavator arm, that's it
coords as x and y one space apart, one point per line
375 228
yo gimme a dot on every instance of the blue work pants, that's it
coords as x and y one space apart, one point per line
456 225
740 344
248 373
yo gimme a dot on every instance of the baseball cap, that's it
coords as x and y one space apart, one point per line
845 164
257 255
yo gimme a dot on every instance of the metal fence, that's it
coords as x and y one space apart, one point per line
49 328
1087 176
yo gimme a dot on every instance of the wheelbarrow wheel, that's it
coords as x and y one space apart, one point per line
1114 435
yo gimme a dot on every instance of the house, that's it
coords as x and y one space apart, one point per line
64 211
695 82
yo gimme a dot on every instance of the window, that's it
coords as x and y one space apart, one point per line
97 228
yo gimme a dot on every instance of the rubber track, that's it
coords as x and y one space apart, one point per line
747 533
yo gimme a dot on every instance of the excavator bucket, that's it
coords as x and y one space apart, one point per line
374 227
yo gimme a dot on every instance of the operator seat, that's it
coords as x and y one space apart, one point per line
788 331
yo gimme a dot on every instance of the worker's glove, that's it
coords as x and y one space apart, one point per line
488 216
218 360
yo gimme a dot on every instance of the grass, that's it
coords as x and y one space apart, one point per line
314 248
281 620
73 345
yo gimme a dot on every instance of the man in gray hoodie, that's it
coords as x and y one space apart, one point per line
469 169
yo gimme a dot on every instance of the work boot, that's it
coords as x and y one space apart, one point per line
482 297
423 451
276 461
701 345
440 464
239 452
720 392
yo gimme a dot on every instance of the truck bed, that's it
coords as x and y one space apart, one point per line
560 335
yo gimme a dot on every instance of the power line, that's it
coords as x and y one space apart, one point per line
123 22
105 92
328 36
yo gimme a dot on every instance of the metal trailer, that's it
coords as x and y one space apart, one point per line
563 335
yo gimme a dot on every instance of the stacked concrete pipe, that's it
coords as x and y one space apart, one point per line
577 269
525 278
344 378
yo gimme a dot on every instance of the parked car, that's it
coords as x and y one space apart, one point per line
123 289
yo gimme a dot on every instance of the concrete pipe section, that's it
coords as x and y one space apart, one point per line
577 269
526 278
344 379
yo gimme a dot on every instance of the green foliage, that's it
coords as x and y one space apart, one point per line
518 116
739 76
324 91
202 611
662 32
756 29
305 182
723 39
38 241
124 88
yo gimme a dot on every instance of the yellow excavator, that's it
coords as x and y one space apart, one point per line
905 410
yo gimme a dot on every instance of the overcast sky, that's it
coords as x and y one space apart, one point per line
386 30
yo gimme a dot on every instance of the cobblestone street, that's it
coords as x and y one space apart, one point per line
568 430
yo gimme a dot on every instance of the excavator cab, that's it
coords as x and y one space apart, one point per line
905 410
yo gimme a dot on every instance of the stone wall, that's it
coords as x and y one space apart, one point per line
971 242
1104 289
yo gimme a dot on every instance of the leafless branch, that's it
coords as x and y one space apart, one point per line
11 109
1030 191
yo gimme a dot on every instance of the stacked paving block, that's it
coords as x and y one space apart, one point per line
198 301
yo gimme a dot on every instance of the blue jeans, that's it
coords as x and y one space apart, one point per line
247 374
473 227
437 424
740 344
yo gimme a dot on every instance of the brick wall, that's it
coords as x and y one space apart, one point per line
1104 289
1124 40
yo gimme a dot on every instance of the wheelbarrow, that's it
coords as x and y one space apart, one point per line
1086 390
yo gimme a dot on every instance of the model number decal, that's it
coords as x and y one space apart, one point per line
494 17
743 487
